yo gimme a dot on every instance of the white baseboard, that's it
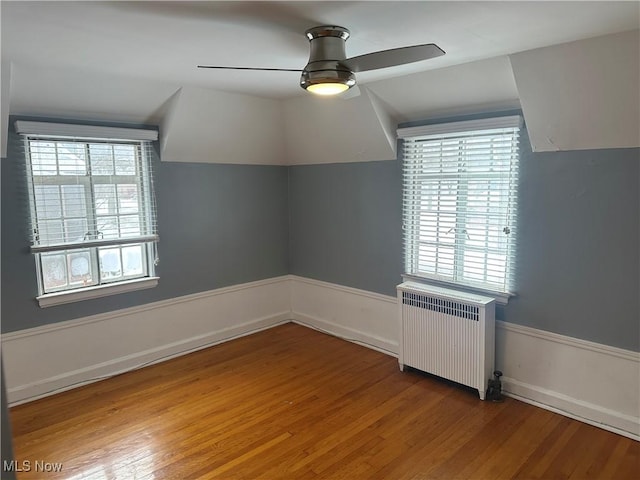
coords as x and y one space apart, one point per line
363 317
569 407
595 383
48 359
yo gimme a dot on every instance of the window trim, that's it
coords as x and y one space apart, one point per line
96 291
461 126
66 130
502 298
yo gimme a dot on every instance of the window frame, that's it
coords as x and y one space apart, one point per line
142 178
414 196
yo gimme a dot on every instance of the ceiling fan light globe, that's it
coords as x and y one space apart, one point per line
327 88
327 82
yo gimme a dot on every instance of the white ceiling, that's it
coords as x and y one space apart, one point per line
164 41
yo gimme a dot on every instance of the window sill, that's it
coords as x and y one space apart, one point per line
501 298
52 299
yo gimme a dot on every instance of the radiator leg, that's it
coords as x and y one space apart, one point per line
481 392
401 365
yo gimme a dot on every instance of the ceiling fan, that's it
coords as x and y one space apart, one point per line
330 72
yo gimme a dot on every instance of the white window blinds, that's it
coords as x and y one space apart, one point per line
93 212
89 190
460 184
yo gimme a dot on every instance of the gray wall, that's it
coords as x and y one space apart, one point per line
578 259
579 246
578 265
219 225
346 224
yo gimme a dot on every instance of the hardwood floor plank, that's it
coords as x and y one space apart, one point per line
507 457
450 425
630 464
293 403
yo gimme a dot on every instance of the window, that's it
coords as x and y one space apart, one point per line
92 208
460 185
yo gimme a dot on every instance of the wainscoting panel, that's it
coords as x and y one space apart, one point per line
43 360
591 382
357 315
588 381
594 383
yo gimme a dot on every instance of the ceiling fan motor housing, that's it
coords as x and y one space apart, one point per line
327 52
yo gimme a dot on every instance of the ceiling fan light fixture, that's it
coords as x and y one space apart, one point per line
327 88
329 71
327 82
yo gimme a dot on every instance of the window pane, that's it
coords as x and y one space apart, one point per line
496 268
132 260
101 159
447 229
80 268
476 234
43 158
429 227
474 265
48 204
128 198
448 197
71 159
50 231
108 227
445 261
105 199
427 261
125 158
129 225
75 229
54 271
110 265
73 200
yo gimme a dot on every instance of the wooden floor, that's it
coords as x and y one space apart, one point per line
293 403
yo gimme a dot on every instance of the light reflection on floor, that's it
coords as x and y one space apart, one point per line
130 466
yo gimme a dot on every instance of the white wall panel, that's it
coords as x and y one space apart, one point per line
480 86
336 130
209 126
59 356
581 95
86 95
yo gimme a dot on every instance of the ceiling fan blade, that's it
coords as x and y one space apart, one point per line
252 68
393 57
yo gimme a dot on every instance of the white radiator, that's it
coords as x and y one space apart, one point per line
447 333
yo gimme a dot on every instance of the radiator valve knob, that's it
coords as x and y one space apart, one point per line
494 390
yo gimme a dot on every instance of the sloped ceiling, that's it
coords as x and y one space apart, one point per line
237 128
479 86
69 93
582 95
320 130
127 61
